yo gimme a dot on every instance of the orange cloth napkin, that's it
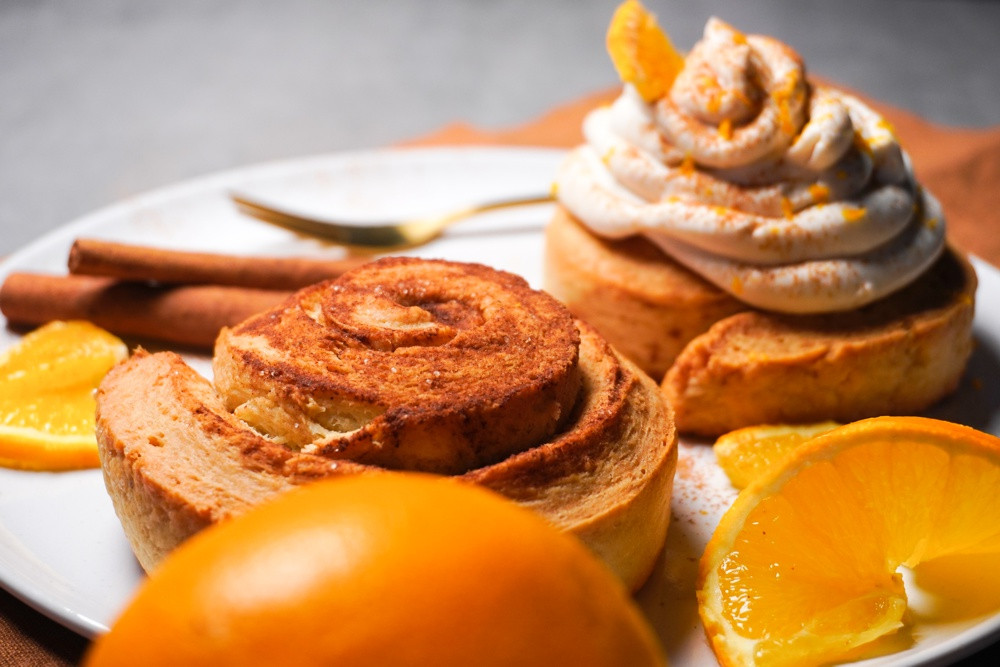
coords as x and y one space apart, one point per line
961 167
28 639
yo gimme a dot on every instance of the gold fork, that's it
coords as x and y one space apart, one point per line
381 235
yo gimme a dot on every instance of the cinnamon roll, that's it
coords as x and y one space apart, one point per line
443 367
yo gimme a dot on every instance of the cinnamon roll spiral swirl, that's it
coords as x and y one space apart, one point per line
408 364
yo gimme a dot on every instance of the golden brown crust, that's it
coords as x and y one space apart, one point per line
176 459
603 478
896 356
736 367
412 364
645 305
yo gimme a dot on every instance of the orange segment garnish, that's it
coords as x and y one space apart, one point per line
642 52
47 395
802 569
747 453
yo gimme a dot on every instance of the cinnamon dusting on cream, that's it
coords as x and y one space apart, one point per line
822 210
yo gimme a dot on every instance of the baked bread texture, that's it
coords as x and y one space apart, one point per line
898 355
646 305
437 366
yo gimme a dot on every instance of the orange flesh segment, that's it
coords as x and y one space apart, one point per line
47 395
803 568
641 52
747 453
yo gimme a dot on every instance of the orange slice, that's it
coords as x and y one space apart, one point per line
746 453
802 569
47 395
641 51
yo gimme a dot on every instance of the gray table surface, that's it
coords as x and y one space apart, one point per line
102 99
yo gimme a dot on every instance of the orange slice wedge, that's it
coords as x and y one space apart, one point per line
747 453
47 395
802 569
641 52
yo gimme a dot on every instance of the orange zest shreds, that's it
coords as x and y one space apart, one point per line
47 395
687 165
714 104
861 144
787 209
783 96
709 87
726 129
886 126
802 569
820 193
736 285
641 52
853 213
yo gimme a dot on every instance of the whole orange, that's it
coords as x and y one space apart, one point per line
382 569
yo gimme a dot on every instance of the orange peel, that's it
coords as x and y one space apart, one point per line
381 569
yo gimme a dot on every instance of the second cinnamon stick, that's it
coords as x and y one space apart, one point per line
132 262
189 315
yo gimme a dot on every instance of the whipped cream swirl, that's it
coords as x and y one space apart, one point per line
791 197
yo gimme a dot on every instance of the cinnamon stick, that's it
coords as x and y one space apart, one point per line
190 315
132 262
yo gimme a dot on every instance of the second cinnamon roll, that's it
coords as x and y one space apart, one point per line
755 239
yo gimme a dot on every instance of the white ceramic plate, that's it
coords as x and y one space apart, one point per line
61 547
